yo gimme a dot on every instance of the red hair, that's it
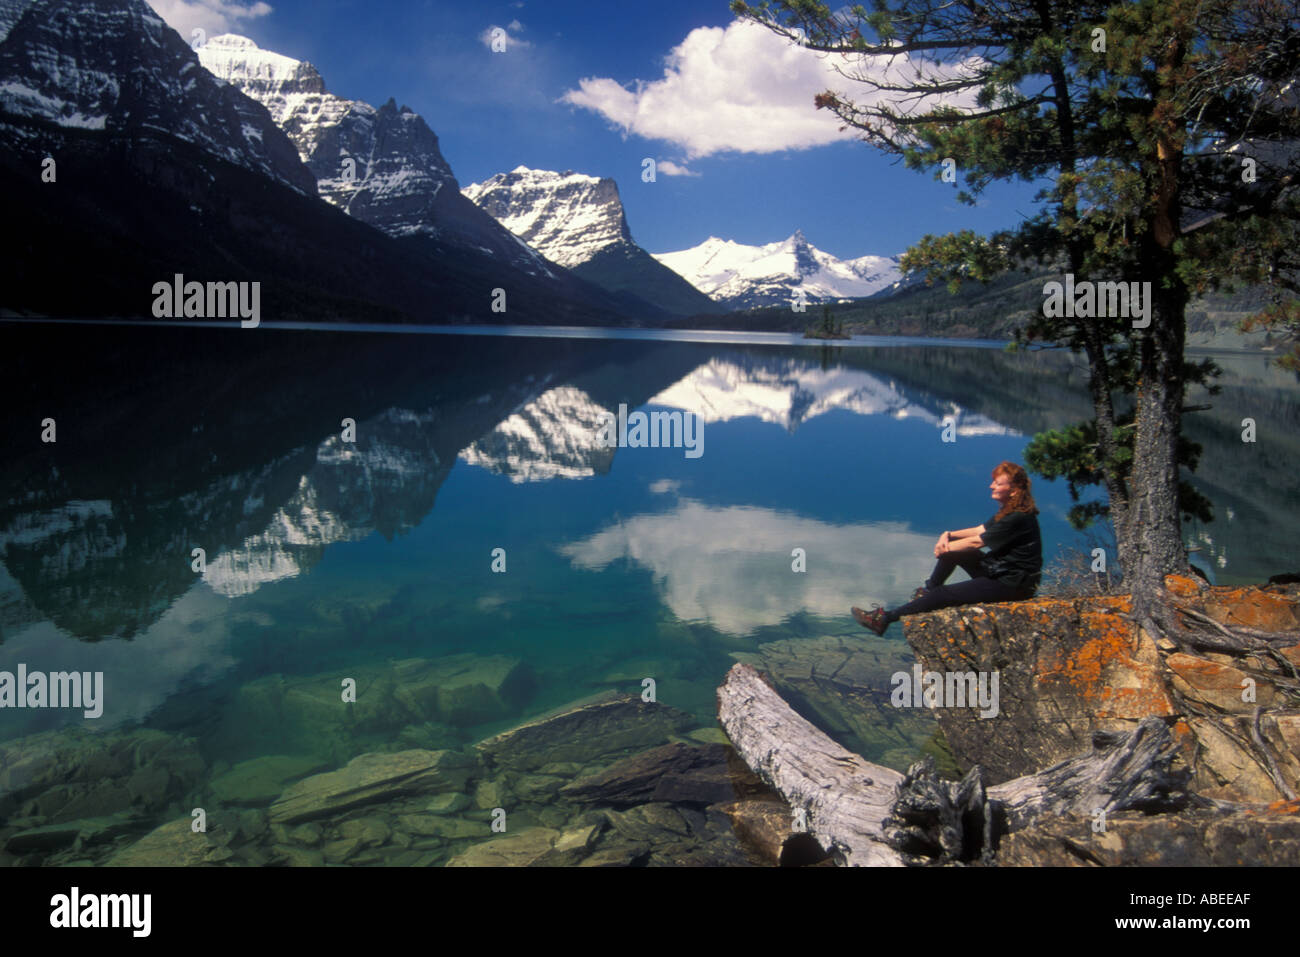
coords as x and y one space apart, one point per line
1021 500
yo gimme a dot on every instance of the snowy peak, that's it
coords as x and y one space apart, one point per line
264 75
114 65
805 259
568 217
382 166
292 91
747 277
577 221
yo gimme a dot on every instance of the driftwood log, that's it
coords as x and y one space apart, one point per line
865 814
845 798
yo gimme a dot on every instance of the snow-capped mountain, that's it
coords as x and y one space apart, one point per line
748 277
568 217
578 221
381 165
114 65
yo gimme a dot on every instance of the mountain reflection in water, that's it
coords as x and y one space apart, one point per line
319 551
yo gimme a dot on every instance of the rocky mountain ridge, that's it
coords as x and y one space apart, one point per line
578 222
117 67
381 165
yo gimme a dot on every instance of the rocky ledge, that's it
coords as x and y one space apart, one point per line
1068 668
1080 737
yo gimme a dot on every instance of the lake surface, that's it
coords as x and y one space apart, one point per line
477 513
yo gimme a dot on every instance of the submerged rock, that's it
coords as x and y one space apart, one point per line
411 701
842 685
369 779
675 773
448 803
584 731
368 830
618 854
94 830
443 826
258 782
60 776
523 849
570 847
175 844
762 826
286 856
466 689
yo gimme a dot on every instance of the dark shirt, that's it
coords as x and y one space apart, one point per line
1015 550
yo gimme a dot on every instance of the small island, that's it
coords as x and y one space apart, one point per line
829 328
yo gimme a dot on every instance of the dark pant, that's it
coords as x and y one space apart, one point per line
980 588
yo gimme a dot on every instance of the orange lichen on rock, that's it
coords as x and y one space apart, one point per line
1185 738
1137 702
1218 684
1069 667
1104 674
1183 586
1202 673
1253 608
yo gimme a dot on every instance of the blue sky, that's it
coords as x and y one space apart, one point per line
598 87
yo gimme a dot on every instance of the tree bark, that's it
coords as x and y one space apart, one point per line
1154 524
845 799
865 814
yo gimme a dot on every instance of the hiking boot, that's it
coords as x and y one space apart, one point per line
874 619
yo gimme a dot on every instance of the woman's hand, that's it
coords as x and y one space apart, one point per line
941 546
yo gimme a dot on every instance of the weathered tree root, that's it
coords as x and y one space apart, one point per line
1193 630
863 813
1267 753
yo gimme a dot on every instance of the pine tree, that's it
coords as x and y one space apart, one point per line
1166 131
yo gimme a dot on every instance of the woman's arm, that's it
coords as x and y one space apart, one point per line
960 540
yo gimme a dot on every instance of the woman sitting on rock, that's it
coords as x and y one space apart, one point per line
1008 571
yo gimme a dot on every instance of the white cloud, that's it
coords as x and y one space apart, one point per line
510 32
214 17
740 88
188 646
731 566
669 168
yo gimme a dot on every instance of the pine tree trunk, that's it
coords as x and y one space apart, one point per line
1154 524
1151 545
